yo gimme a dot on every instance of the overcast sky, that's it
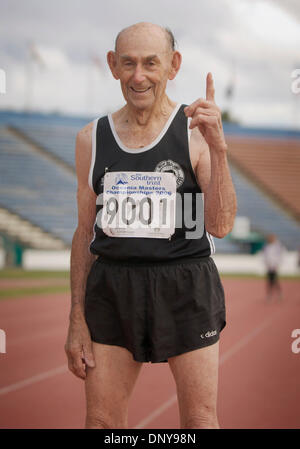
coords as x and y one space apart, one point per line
255 43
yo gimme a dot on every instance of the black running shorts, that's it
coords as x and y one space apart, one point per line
155 310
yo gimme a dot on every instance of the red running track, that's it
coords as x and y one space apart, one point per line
259 376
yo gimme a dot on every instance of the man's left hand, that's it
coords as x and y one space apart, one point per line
206 115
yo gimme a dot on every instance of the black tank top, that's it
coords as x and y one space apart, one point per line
169 152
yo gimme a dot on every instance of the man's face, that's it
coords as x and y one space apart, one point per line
143 62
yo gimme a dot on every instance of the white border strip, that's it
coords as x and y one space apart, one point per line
211 242
152 144
93 158
93 239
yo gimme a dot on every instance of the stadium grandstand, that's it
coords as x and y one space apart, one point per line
38 185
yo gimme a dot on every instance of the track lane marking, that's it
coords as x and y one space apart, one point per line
34 379
228 354
158 411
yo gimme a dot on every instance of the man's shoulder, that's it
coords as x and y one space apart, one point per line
85 132
84 141
84 135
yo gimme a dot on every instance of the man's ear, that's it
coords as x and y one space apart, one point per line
112 62
176 63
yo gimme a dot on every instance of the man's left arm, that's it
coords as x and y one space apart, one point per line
220 204
213 174
214 178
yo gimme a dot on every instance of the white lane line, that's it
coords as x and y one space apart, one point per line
64 368
245 340
156 412
33 379
228 354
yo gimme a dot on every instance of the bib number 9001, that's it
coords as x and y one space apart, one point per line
135 208
136 212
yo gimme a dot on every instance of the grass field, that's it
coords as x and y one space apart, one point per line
16 283
19 273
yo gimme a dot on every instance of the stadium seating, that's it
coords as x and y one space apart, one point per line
265 216
56 139
36 188
273 163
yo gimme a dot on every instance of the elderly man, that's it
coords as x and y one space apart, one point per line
145 289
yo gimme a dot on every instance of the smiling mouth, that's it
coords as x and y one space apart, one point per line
140 91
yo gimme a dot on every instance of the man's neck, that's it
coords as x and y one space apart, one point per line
142 118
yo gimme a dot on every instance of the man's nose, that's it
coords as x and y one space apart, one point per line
138 76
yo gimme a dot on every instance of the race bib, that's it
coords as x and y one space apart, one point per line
139 204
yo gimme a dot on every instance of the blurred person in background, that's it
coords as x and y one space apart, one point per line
273 252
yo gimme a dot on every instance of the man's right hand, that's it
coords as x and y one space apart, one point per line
78 346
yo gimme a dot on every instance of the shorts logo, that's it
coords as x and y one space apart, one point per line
209 334
170 166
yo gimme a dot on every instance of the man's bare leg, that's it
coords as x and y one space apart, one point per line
108 387
196 377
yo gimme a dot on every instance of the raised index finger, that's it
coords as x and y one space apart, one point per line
210 89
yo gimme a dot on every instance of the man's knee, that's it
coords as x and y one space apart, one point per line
102 421
205 417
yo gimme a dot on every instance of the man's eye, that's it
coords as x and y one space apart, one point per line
128 64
